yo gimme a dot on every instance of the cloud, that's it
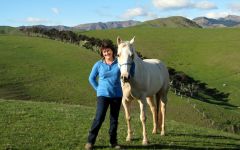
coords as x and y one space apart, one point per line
235 7
171 4
137 12
205 5
33 20
134 12
55 11
217 15
182 4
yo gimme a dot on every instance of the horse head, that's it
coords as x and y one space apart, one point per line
125 55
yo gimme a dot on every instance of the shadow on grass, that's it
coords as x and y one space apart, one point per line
17 89
186 85
218 146
196 142
162 146
214 101
215 137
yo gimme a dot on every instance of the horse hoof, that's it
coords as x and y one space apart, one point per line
128 139
154 132
162 133
145 142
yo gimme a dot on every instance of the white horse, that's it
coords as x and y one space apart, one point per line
141 80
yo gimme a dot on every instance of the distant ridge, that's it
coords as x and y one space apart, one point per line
172 22
58 27
8 30
169 22
228 21
107 25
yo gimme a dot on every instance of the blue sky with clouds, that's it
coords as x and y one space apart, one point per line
74 12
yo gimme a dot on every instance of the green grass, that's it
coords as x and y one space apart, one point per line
10 30
44 70
171 22
35 125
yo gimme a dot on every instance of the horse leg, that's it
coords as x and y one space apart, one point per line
154 113
163 113
126 106
159 114
142 104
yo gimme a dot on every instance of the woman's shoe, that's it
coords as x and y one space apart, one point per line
88 146
115 146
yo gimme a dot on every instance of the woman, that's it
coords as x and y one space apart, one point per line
105 79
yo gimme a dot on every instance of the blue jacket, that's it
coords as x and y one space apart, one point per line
108 83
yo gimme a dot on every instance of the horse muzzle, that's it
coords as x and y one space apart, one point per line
125 79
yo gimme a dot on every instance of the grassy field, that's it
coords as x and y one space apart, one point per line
42 125
56 74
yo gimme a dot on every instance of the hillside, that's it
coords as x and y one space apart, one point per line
228 21
171 22
106 25
44 70
9 30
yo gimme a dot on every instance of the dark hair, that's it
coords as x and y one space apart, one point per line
107 44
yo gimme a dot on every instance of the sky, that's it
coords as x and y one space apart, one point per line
74 12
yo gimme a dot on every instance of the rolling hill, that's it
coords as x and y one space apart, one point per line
228 21
106 25
44 70
9 30
172 22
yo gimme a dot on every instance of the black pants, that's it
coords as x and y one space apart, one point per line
102 106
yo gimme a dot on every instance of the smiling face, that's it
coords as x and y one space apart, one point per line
107 53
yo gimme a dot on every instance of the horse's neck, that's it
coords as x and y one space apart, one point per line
136 83
137 60
138 65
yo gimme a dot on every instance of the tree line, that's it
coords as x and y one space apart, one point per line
68 36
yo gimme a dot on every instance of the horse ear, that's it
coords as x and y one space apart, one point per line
119 40
132 40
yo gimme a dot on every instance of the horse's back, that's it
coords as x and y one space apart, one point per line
152 61
156 65
158 73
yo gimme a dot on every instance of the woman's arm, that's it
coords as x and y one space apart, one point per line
93 76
